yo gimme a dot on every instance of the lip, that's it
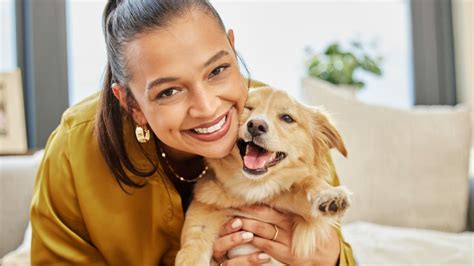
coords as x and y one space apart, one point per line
214 135
213 122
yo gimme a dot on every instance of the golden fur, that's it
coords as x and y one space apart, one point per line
297 184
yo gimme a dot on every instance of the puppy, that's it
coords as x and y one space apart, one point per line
279 161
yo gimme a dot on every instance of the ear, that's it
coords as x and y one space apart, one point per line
121 95
230 36
332 137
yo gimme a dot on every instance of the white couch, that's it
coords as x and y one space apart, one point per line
383 226
408 169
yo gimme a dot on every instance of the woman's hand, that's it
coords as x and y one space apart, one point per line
264 236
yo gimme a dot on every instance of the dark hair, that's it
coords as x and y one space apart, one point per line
122 22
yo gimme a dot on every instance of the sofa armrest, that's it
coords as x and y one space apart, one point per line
470 208
17 178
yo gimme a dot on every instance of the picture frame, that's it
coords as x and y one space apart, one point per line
13 139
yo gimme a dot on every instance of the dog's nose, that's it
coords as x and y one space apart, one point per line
257 127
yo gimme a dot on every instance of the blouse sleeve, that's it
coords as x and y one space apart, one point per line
59 233
346 258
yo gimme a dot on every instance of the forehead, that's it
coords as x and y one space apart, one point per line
185 40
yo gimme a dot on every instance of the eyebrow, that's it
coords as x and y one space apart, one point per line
216 57
160 81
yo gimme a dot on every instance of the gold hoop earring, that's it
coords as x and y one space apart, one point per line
142 134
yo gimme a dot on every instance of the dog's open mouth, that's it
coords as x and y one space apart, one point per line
256 159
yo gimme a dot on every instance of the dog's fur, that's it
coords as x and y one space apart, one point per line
297 184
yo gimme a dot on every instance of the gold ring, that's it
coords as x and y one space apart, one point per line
276 232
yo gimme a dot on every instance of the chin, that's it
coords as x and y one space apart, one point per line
218 150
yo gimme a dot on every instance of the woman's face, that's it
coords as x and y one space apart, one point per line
186 81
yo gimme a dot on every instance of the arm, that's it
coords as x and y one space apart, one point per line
346 257
59 233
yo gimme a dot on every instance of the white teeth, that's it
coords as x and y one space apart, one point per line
212 129
272 157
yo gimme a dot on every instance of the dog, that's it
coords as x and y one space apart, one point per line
280 161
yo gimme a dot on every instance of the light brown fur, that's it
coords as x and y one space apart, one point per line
297 184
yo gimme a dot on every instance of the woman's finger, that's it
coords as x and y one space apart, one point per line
226 242
232 225
266 230
257 258
275 249
266 214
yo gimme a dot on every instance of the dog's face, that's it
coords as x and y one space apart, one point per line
278 132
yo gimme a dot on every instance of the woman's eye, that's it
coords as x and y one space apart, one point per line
167 93
218 70
287 118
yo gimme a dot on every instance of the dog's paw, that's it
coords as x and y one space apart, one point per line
334 201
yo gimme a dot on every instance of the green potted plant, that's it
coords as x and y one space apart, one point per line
338 66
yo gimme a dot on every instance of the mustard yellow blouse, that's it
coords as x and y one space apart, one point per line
81 216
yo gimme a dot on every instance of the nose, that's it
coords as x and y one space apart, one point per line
257 127
203 103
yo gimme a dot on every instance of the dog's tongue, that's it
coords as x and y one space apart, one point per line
256 158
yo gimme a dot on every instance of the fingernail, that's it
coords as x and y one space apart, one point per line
263 256
236 224
247 235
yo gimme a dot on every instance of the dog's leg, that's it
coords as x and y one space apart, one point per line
309 235
201 228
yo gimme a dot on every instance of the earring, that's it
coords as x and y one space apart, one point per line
142 134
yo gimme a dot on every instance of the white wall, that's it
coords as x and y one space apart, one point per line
463 18
7 35
271 37
86 47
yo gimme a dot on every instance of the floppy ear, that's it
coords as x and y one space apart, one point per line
331 136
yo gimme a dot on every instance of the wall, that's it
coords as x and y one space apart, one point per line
463 20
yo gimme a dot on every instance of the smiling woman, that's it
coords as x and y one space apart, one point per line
173 78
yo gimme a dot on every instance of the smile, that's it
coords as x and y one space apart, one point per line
213 130
257 159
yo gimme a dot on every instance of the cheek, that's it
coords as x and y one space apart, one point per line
237 92
163 121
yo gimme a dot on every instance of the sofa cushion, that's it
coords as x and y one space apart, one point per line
374 244
17 178
405 167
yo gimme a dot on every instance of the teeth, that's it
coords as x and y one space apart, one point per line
212 129
272 157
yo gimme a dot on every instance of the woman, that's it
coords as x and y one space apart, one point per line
118 172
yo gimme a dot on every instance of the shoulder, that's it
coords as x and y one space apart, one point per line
83 112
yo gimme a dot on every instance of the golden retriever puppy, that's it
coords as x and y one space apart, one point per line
279 161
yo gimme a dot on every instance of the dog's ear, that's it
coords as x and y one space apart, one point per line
326 132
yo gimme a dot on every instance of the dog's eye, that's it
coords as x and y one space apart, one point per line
248 108
287 118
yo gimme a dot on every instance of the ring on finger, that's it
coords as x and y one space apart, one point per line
276 232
